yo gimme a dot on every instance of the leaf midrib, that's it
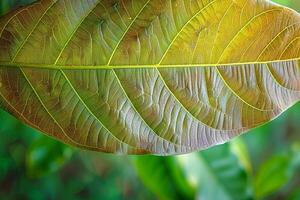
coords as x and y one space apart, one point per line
135 66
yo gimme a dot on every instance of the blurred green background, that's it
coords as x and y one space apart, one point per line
262 164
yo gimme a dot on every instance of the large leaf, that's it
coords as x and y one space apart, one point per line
149 76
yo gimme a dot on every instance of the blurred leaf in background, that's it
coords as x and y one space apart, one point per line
165 177
45 156
262 164
7 5
295 4
272 175
218 173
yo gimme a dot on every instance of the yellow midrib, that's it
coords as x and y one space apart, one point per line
134 66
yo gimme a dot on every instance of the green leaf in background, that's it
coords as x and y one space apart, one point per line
163 177
218 173
149 76
272 175
7 5
46 156
295 195
290 3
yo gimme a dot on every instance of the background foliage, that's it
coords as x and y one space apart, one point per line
262 164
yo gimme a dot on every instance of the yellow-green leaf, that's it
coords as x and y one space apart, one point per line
149 76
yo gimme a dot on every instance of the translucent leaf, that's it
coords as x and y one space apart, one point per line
149 76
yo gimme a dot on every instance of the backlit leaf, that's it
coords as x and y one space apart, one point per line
149 76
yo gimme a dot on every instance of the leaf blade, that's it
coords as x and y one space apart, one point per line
112 81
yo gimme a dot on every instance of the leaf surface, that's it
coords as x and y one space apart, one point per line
149 76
